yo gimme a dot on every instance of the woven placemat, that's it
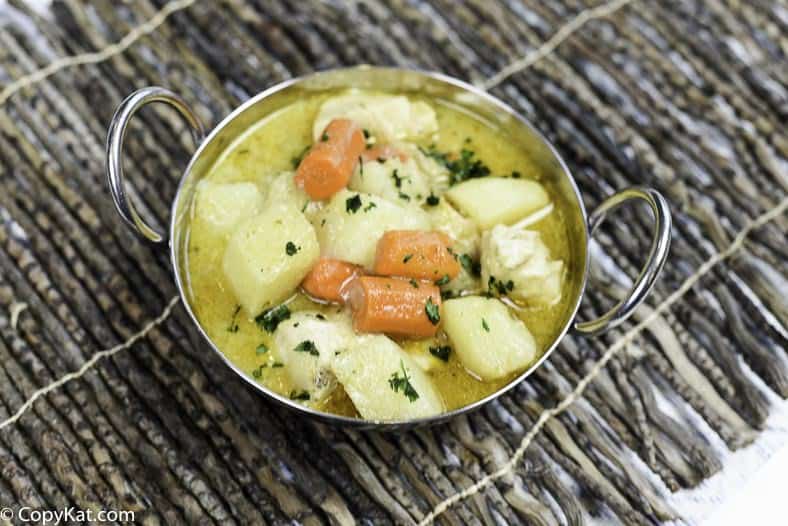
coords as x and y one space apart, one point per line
110 401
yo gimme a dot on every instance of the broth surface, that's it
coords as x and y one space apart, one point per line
266 150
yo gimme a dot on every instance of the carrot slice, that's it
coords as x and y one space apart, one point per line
329 278
383 151
415 254
328 165
394 306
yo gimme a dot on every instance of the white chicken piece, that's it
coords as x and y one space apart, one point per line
519 261
306 344
463 232
393 179
388 118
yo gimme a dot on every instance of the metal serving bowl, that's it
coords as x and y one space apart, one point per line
581 226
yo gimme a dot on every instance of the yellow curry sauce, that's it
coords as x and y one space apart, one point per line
269 148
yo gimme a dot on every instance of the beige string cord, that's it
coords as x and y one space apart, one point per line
96 56
546 415
554 41
91 362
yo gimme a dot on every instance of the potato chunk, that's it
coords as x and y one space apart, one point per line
280 189
386 117
221 206
373 372
489 341
396 180
268 255
519 261
306 344
351 224
496 200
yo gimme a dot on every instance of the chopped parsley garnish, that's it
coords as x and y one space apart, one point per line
444 280
262 349
360 166
441 352
471 267
352 204
433 311
270 319
258 372
465 167
324 137
370 206
402 383
296 160
397 179
515 175
407 258
320 316
291 248
485 326
497 286
366 133
299 395
307 346
414 283
277 365
433 200
233 327
404 196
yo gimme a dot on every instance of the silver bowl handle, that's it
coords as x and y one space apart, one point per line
657 256
117 132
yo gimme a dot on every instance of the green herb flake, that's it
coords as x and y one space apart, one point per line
461 168
270 319
370 206
320 316
414 283
516 175
402 383
352 204
299 395
485 326
433 311
366 133
307 346
324 137
233 327
498 287
397 178
258 372
296 159
404 196
407 258
360 166
262 349
291 248
444 280
433 200
277 365
441 352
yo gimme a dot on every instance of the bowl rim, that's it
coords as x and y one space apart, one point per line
341 420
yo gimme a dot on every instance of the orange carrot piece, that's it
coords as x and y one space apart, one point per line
394 306
328 165
415 254
383 151
329 278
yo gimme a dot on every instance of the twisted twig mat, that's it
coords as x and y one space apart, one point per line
109 401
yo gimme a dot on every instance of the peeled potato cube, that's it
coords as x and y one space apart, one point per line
489 341
489 201
373 372
306 344
281 190
351 224
221 206
268 255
